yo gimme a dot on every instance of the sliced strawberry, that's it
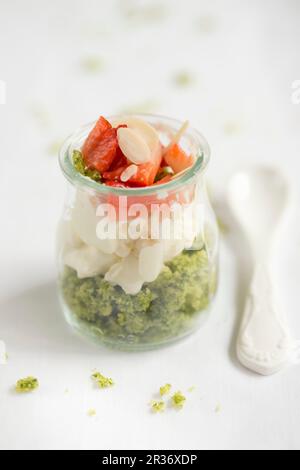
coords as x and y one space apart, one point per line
163 162
177 159
119 161
104 152
95 136
114 174
118 166
147 172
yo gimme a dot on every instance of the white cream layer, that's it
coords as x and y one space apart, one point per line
128 263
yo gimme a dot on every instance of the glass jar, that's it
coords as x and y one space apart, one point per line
138 267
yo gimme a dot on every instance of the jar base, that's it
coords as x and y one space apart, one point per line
93 334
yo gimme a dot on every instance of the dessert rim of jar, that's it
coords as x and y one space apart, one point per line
77 138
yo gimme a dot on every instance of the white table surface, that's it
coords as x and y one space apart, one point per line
243 57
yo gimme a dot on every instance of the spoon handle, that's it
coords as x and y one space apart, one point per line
264 342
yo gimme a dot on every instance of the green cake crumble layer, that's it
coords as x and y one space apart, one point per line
162 310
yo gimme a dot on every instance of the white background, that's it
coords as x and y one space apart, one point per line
242 58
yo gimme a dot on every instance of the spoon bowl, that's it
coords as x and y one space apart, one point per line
258 198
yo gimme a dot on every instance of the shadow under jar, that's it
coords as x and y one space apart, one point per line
138 267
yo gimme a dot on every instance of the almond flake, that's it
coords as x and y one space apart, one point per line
133 146
129 173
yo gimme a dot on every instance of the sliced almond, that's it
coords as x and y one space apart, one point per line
129 173
176 138
142 128
133 146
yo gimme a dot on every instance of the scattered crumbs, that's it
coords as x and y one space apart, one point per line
183 79
206 24
27 384
3 353
165 389
102 381
192 389
224 229
91 412
147 106
41 114
92 65
158 406
218 408
93 31
150 13
178 400
54 147
232 127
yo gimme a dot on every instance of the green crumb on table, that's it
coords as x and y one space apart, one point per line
183 79
165 308
147 106
232 127
41 114
28 384
206 24
3 357
158 406
92 64
54 147
102 381
191 389
80 166
91 412
178 400
143 14
224 229
218 408
165 389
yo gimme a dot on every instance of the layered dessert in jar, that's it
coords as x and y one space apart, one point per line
138 241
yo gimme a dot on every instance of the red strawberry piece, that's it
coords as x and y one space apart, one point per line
95 136
163 162
177 159
119 161
114 174
147 172
104 153
115 184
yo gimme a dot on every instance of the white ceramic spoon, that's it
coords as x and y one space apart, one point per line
258 199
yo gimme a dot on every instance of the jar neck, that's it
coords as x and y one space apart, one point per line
192 141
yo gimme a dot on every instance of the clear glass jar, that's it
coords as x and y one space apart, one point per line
138 267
